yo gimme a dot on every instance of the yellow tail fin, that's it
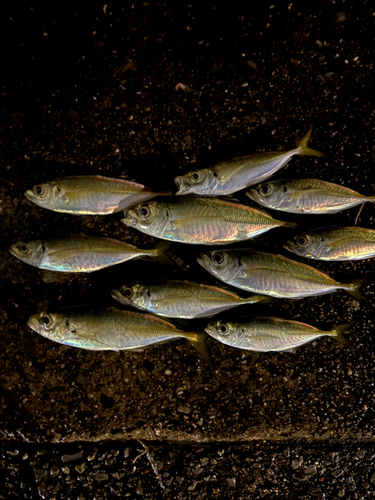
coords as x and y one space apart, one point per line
303 148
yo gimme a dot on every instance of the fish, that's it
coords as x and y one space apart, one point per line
181 299
274 275
111 329
90 194
200 221
265 334
306 196
230 176
79 254
334 244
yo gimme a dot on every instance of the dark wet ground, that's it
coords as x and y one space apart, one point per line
93 92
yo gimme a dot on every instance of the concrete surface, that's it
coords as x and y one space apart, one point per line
93 92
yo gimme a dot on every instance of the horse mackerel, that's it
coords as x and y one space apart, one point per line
273 275
112 329
230 176
181 299
265 334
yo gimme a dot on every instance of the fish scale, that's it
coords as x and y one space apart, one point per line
334 244
181 299
200 220
264 334
78 253
90 194
273 275
230 176
306 196
112 329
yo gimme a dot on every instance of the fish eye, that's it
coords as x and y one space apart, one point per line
39 190
23 247
144 211
218 258
195 176
46 319
265 189
223 328
127 292
302 241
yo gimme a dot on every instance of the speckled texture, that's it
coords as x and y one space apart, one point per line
140 470
95 93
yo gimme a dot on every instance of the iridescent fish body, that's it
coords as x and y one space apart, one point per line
273 275
334 244
78 254
306 196
204 221
90 194
111 329
231 176
181 299
264 334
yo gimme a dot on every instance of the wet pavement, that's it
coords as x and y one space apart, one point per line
148 92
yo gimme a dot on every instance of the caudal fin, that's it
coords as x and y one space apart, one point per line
160 251
256 299
164 193
290 224
303 148
199 341
339 330
354 287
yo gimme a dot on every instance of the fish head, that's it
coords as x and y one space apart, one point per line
223 331
30 252
134 294
45 195
147 217
268 194
221 263
52 326
203 182
309 245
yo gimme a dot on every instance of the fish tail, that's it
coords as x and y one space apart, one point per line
303 148
259 299
199 341
289 224
338 332
160 251
164 193
354 287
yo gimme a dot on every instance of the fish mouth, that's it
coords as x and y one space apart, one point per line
251 193
13 250
211 331
30 195
34 324
204 261
288 245
117 295
182 188
130 218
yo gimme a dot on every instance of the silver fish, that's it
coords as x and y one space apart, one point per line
202 221
111 329
181 299
306 196
264 334
334 244
90 194
273 275
78 254
231 176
